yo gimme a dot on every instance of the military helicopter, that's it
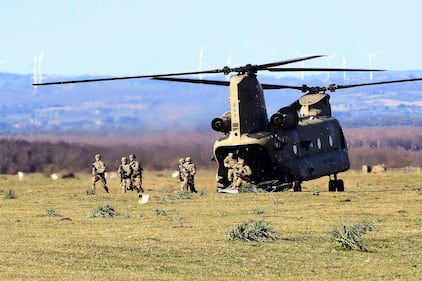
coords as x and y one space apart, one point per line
300 142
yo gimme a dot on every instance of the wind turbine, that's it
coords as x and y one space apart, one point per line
302 74
327 59
344 66
370 56
37 74
201 59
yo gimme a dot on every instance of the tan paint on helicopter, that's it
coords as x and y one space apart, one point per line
235 133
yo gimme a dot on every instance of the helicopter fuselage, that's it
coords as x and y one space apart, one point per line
295 149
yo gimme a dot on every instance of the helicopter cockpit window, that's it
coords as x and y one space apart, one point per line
330 140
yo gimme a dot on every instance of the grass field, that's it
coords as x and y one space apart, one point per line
47 232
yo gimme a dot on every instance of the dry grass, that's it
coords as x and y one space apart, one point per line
191 241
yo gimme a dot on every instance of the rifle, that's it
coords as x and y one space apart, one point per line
94 170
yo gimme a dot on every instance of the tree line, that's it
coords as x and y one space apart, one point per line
394 146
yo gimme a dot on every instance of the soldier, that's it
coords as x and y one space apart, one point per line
230 163
125 172
242 174
98 172
182 173
189 175
136 179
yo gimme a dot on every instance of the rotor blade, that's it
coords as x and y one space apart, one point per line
224 83
127 77
377 83
226 70
195 81
279 87
265 66
304 69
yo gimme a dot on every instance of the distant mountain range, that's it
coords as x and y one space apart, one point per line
142 106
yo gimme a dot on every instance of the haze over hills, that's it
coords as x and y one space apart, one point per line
141 106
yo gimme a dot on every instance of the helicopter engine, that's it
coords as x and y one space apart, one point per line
285 118
223 123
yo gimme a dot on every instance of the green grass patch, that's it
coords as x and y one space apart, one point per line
253 231
350 237
52 212
104 211
10 194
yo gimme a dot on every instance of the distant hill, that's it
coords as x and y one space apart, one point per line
137 107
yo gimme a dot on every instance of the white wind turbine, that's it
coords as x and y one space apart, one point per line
201 60
370 56
37 74
327 59
302 64
344 66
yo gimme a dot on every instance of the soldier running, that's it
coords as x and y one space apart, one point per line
136 178
98 172
182 172
189 175
125 172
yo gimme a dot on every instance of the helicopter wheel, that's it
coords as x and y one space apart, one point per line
332 186
297 187
336 185
340 185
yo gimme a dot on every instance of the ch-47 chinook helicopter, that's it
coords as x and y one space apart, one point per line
300 142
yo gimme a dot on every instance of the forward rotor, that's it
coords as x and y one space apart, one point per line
249 68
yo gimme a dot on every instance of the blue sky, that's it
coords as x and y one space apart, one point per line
128 37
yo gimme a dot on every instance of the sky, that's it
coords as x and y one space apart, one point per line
129 37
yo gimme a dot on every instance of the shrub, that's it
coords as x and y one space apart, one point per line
253 231
248 187
103 211
90 191
257 211
52 212
166 197
350 237
10 194
184 195
160 212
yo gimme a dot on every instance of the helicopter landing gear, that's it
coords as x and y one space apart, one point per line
335 184
297 186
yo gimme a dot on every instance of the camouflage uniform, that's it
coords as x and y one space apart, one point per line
136 178
182 173
230 163
242 174
98 173
125 172
189 175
